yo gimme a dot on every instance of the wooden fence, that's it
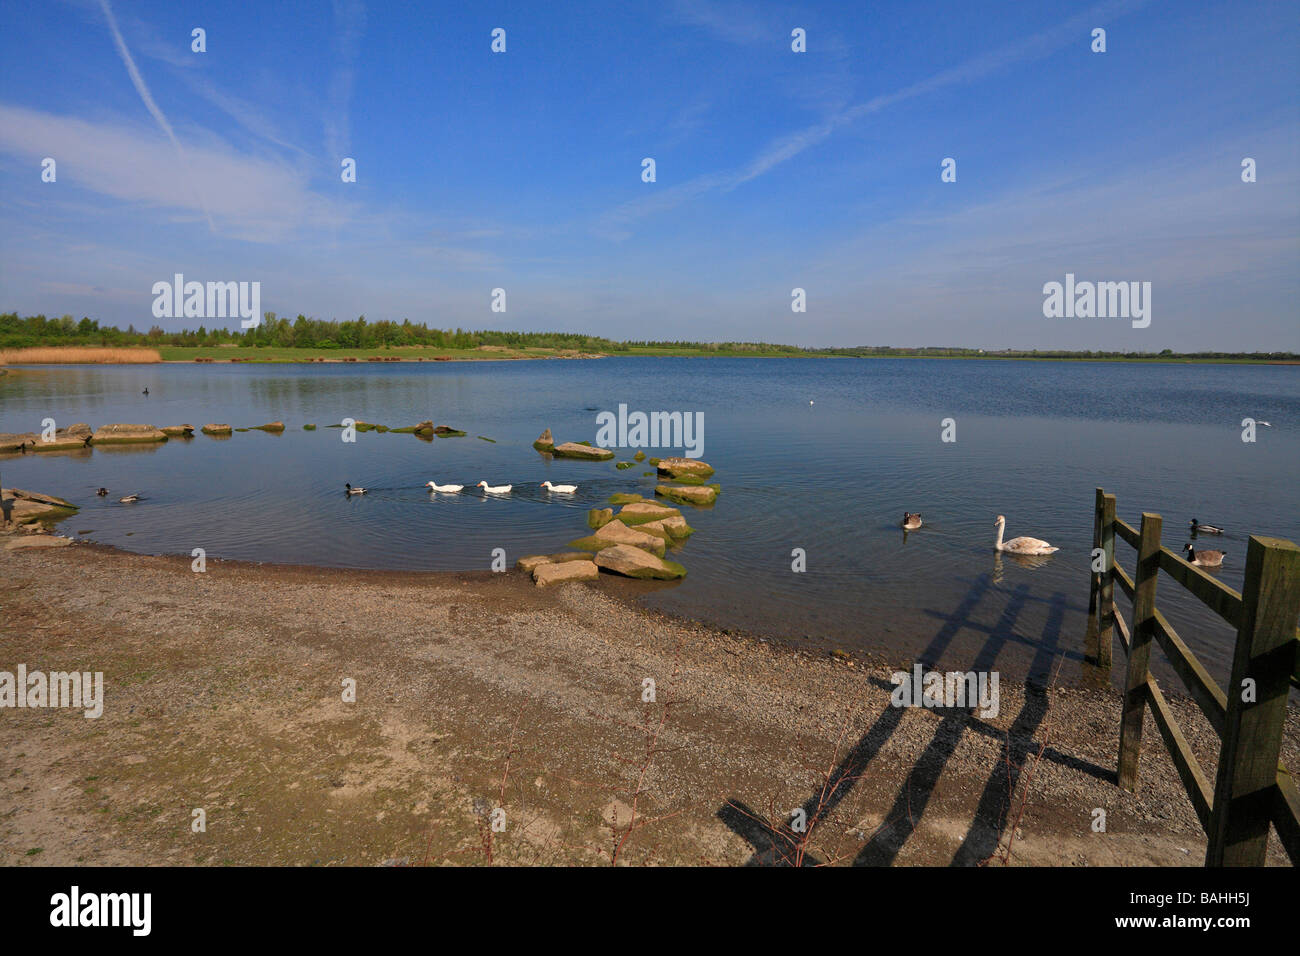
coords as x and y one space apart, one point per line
1252 788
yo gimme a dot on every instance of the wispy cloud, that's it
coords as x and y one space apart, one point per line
350 17
140 87
616 223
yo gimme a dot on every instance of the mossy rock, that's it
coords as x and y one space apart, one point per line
635 563
334 426
624 499
688 480
653 461
639 456
309 428
270 427
442 431
545 441
623 465
408 430
365 426
647 474
688 495
591 543
599 517
582 451
677 468
382 428
485 438
241 429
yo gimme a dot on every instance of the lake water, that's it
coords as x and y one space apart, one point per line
1034 439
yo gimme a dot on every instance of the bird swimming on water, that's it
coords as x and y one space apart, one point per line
1198 528
102 492
353 491
911 521
1204 559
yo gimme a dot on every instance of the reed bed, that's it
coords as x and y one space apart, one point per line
78 355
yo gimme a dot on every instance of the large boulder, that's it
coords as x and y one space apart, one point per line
545 441
641 512
561 572
127 435
573 449
618 533
79 430
599 517
216 429
178 431
635 563
688 494
671 529
677 467
529 563
62 441
270 427
24 507
17 441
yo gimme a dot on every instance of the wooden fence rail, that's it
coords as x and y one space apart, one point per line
1252 788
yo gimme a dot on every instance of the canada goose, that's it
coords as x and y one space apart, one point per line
1020 545
494 489
447 489
562 489
911 521
129 499
1198 528
353 491
102 492
1204 559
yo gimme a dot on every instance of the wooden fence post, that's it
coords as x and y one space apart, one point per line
1139 655
1252 732
1106 597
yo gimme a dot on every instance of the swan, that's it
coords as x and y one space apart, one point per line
447 489
562 489
911 521
129 499
1020 545
494 489
1205 559
1198 528
353 491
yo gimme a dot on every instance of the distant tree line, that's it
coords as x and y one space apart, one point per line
302 332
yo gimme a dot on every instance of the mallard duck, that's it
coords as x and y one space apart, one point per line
911 521
1206 558
1020 545
562 489
494 489
1198 528
353 491
447 489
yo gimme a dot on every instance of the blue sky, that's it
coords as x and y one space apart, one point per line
775 169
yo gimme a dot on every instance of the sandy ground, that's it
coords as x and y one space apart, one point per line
480 693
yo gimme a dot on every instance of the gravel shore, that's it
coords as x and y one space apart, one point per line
497 722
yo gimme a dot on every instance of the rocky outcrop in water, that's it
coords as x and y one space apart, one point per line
127 434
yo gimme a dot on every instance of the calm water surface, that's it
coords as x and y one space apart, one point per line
1034 439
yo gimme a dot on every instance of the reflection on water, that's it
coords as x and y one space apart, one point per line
1035 439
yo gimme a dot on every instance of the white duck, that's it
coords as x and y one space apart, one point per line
562 489
446 489
494 489
1020 545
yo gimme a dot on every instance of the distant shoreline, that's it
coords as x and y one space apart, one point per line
184 355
